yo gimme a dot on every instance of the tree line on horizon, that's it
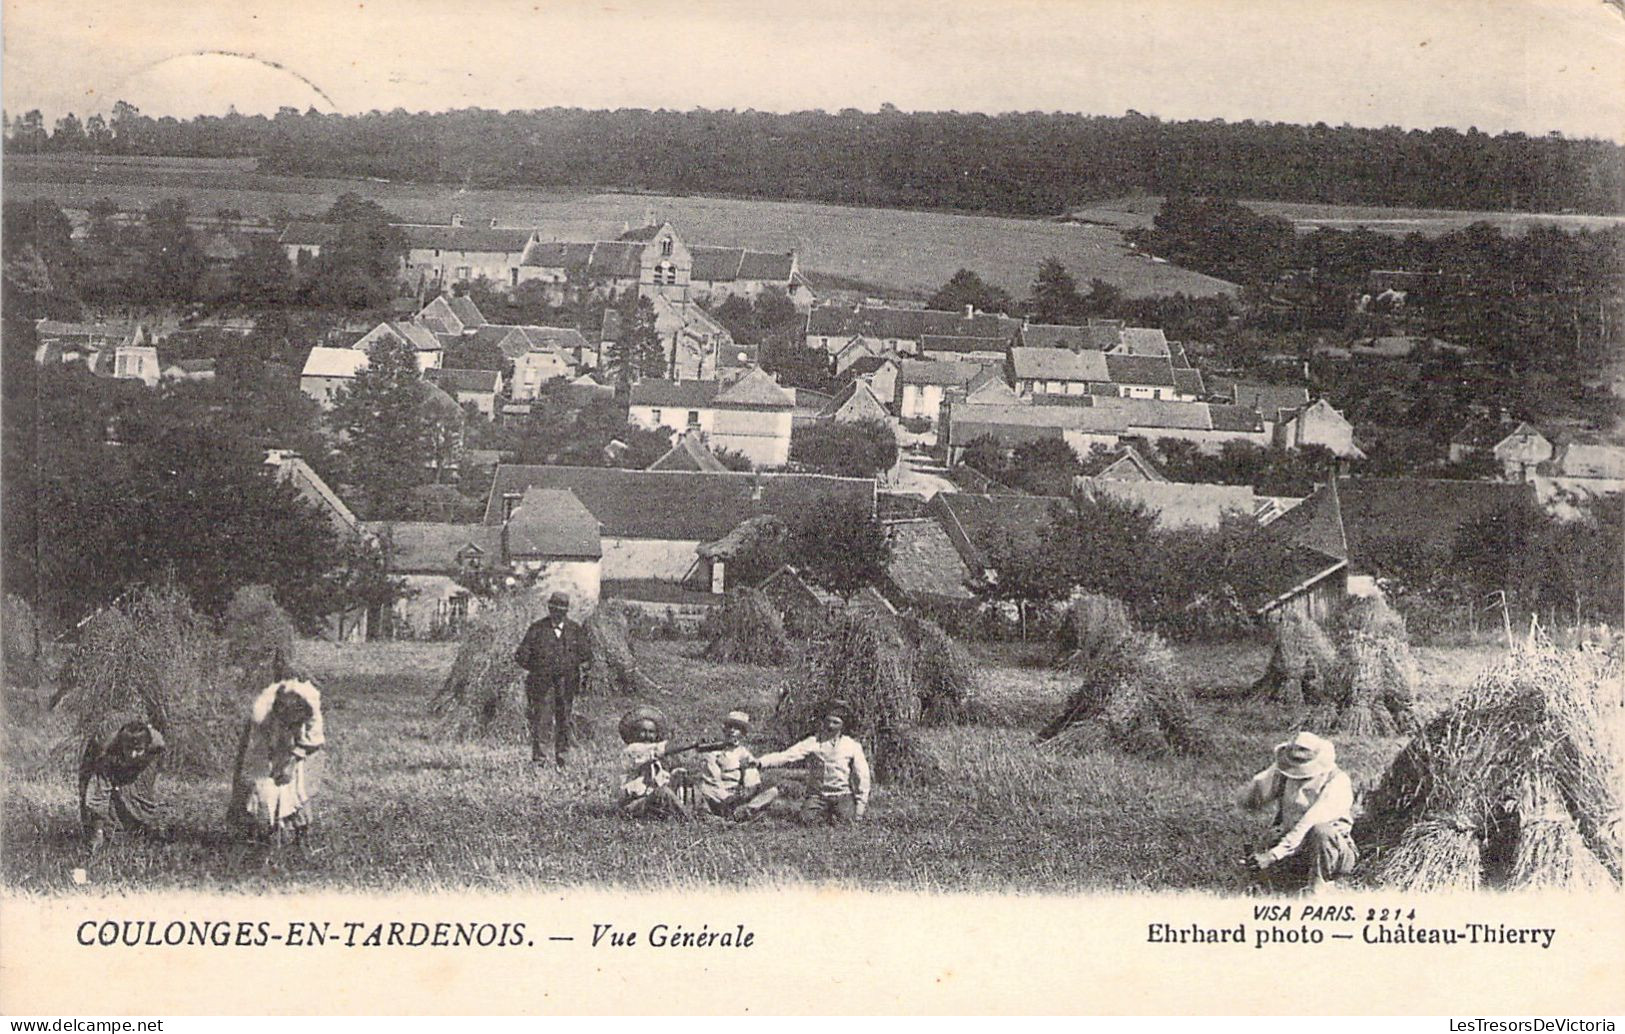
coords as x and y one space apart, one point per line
1019 163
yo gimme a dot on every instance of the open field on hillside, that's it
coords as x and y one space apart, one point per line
902 251
1132 212
407 809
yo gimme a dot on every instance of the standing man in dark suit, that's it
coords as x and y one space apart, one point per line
554 653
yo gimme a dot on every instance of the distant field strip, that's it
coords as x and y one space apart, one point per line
903 251
1129 213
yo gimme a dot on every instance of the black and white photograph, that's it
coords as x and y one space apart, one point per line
968 452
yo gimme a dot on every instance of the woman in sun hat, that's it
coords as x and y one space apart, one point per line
645 788
1311 841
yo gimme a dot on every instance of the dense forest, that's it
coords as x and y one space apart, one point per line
1028 163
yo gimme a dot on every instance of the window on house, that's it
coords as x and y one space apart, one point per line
437 253
693 418
462 273
665 247
655 415
513 276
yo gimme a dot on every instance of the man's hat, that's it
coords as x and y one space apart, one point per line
1305 756
738 719
558 599
840 709
632 719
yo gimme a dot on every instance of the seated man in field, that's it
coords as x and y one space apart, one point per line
730 779
837 770
646 790
1310 842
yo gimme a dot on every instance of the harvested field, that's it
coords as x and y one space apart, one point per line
1134 212
901 251
407 807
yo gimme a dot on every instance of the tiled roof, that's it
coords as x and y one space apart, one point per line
1269 399
677 505
334 362
766 265
1189 382
552 522
455 381
1593 461
615 259
1177 504
1059 364
1059 335
431 547
1144 341
979 525
1176 355
1420 511
642 234
493 239
309 233
1235 418
716 263
1150 370
430 396
924 561
465 309
1316 523
1188 416
1007 435
652 391
566 255
1087 419
907 324
857 402
689 453
755 390
947 374
957 343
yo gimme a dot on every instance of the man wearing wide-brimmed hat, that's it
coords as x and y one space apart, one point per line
730 779
1311 841
553 653
837 770
646 783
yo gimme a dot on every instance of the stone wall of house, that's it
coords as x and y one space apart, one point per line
665 559
762 435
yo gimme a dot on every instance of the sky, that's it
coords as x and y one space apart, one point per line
1531 65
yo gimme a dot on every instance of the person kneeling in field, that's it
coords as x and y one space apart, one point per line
1311 841
837 771
116 781
730 780
646 791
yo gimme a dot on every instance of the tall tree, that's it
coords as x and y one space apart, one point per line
1055 296
841 545
966 288
173 260
387 435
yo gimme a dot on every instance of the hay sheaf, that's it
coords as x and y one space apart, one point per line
746 629
1300 666
1093 625
947 679
259 637
153 657
873 666
1371 685
1516 784
1128 699
484 692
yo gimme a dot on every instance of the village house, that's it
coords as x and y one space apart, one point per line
654 521
533 370
1081 427
688 452
881 376
1320 424
1095 336
751 415
831 328
1175 504
1517 447
858 402
922 386
453 315
439 564
327 370
189 370
551 541
1315 584
430 350
1580 476
478 388
1126 464
696 346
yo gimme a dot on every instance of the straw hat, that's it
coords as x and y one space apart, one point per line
738 719
1305 756
628 727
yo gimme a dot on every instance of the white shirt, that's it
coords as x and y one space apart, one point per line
836 767
1303 803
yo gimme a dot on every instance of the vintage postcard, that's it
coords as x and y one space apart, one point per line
1063 506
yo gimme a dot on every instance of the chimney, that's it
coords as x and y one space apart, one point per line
970 311
457 219
493 222
649 216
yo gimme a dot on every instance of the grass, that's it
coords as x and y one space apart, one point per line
898 251
404 809
1137 212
